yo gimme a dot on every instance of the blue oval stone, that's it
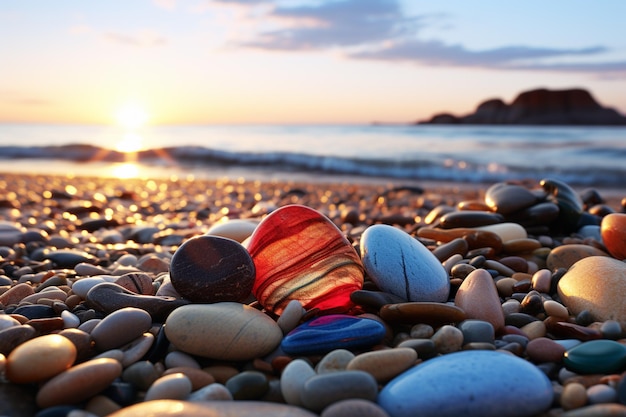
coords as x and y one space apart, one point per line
596 356
336 331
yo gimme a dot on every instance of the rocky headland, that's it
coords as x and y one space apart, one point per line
538 107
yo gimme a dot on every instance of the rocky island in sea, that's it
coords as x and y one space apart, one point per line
538 107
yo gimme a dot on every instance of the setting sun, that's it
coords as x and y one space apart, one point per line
131 116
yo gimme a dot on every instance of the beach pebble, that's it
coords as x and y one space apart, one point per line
335 331
248 386
136 349
120 328
299 254
40 358
174 408
176 359
477 331
473 379
469 218
478 297
82 286
333 361
422 312
595 284
15 294
601 394
567 255
596 356
141 374
198 377
320 391
399 264
173 387
211 392
506 231
235 229
209 269
508 198
293 378
574 396
226 331
78 383
542 349
354 408
613 231
137 282
384 364
291 316
109 297
447 339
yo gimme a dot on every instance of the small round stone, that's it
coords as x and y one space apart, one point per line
209 269
121 327
40 358
173 387
248 386
384 364
323 390
448 339
574 396
293 378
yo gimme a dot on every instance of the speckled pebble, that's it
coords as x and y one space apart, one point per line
448 339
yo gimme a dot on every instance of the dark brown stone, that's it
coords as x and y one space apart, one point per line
209 269
422 312
469 219
109 297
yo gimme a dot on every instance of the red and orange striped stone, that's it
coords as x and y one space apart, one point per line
299 254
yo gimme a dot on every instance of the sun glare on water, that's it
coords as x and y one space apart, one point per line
130 117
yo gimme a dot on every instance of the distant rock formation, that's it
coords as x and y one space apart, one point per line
538 107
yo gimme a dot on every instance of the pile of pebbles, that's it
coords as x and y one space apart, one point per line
503 301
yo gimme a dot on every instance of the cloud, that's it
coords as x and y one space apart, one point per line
144 38
381 30
339 23
438 53
17 98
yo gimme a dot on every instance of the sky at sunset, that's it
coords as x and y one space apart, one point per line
333 61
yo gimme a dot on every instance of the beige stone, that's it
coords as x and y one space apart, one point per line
384 364
596 284
226 331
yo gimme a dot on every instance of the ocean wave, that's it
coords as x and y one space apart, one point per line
197 158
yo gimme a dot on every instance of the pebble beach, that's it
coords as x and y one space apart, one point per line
239 297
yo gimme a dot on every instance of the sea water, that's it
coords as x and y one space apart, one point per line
577 155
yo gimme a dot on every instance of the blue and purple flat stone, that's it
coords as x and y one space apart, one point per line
336 331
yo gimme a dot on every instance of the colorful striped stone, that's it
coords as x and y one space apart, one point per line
299 254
